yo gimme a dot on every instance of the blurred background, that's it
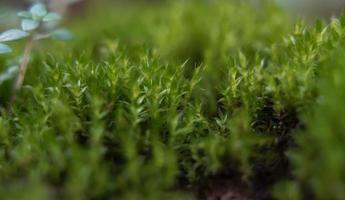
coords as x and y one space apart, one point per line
309 8
179 30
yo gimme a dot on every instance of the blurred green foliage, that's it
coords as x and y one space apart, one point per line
318 161
154 101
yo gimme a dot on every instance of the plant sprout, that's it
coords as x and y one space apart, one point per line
36 24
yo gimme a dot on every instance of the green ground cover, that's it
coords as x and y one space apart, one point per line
158 101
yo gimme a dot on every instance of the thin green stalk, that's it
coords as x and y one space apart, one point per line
22 68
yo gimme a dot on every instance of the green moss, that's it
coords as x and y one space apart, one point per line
156 104
318 158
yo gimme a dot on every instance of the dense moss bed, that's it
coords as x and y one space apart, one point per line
180 100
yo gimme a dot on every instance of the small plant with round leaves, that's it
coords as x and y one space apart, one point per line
37 24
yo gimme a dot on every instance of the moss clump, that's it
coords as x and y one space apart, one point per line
161 104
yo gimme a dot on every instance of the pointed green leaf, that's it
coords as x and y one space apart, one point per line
8 74
38 11
29 24
25 14
13 34
52 17
5 49
62 34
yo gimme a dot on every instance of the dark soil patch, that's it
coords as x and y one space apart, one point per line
224 190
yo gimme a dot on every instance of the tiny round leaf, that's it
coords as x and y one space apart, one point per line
52 17
62 34
38 11
29 24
